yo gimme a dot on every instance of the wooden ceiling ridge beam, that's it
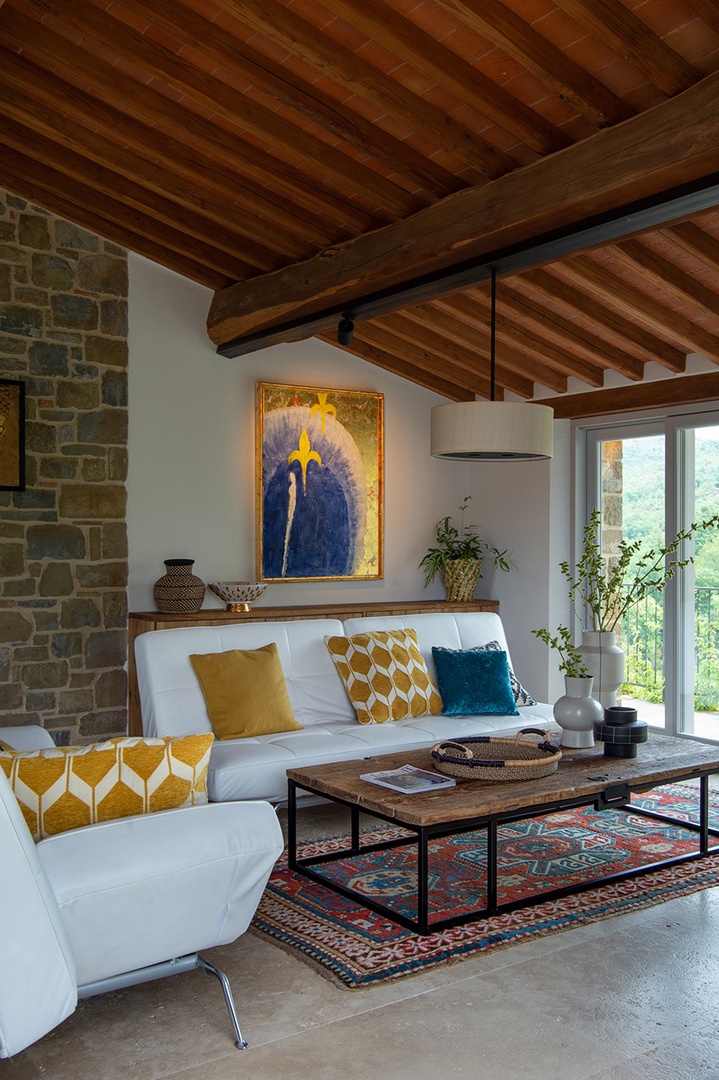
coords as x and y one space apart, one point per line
343 174
605 320
419 49
64 148
673 144
145 103
632 40
370 84
638 305
546 61
707 11
351 127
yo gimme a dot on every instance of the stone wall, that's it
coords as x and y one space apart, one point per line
63 541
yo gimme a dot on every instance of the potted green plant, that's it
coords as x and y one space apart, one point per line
458 555
576 711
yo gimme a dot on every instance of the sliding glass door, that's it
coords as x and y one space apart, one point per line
649 480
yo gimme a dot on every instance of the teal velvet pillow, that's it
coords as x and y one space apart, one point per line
474 682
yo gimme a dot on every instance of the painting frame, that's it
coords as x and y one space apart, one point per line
12 435
319 484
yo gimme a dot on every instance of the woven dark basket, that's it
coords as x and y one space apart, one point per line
492 758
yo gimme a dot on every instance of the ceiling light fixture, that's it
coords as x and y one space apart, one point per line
492 430
346 329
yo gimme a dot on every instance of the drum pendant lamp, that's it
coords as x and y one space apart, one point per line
492 430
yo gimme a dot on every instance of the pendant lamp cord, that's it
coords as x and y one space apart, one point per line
493 333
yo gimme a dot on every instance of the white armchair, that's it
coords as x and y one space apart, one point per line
121 902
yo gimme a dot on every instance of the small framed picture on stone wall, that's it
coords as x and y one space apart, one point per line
12 435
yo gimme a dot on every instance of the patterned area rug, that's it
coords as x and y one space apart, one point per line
358 949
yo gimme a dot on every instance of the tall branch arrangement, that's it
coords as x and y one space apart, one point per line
601 594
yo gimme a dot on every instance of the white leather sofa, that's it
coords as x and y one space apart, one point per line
172 702
120 902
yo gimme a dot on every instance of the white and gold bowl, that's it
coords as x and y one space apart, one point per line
238 595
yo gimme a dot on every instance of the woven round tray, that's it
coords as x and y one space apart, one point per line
489 758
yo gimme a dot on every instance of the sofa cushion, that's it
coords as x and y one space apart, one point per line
474 682
521 696
245 692
385 675
72 786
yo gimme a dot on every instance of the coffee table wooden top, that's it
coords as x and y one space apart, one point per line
580 773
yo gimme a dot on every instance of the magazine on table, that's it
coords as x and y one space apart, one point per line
408 779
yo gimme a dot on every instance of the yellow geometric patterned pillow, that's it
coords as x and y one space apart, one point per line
71 786
385 675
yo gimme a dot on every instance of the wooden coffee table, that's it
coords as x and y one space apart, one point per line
583 778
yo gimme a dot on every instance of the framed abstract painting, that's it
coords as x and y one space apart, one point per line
12 435
320 461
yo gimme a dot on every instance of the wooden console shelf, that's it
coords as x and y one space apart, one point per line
140 622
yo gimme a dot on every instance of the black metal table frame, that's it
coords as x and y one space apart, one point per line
617 797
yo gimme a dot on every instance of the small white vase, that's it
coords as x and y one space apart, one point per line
576 712
604 659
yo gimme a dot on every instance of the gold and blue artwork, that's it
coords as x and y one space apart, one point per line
319 485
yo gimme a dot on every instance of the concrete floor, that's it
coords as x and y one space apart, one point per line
632 998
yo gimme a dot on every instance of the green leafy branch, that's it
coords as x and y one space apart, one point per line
602 593
571 662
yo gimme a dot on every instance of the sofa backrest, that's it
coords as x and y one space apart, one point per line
450 631
170 695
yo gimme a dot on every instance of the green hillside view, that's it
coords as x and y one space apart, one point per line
643 519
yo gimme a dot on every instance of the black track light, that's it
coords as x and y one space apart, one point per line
346 329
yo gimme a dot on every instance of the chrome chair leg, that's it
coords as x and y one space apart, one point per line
210 969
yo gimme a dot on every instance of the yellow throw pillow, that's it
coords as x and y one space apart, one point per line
245 692
385 675
67 787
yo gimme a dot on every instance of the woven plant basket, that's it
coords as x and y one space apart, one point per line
497 759
460 577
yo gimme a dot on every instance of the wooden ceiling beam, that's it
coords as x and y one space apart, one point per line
308 153
696 241
662 393
113 209
675 143
163 162
549 64
707 11
632 40
277 80
458 318
61 152
470 85
27 179
667 274
604 319
281 24
430 379
574 338
272 177
637 305
429 336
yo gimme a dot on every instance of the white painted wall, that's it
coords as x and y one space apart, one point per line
191 484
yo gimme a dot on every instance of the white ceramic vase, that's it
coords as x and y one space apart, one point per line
576 712
604 659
